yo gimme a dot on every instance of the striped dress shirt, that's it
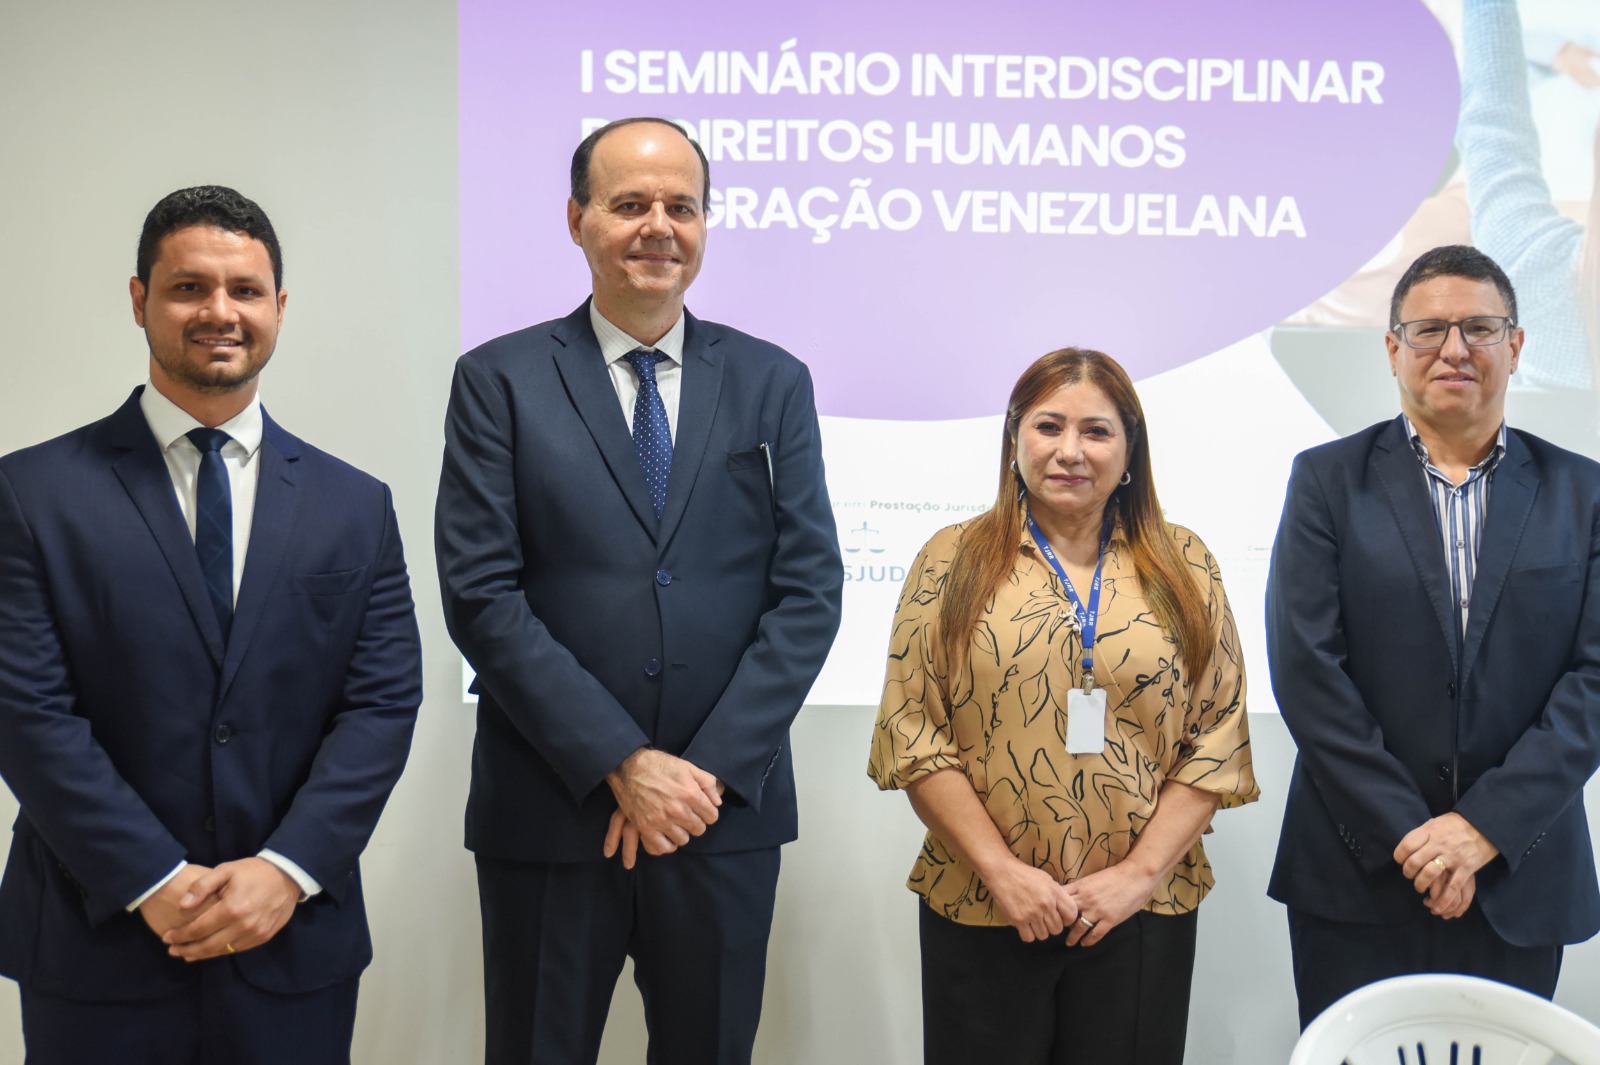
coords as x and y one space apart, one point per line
1459 510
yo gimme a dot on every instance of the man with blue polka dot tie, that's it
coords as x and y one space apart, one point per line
652 436
638 558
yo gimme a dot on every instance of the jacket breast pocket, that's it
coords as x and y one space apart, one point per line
751 476
1544 576
1553 594
754 459
337 582
331 604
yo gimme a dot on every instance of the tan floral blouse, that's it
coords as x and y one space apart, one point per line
1003 722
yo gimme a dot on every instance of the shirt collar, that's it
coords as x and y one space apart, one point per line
614 343
1490 461
170 423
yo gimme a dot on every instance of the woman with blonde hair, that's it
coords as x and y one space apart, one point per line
1064 706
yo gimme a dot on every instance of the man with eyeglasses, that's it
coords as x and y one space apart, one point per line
1433 628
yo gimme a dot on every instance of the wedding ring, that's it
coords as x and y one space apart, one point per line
1443 868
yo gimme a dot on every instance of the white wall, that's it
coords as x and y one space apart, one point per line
339 117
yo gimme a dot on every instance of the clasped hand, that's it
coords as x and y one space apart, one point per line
206 913
1032 901
1450 881
1108 897
663 801
1039 907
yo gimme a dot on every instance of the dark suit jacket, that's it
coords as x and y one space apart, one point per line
594 628
1398 718
133 738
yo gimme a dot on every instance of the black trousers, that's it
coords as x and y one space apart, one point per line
219 1019
555 936
1333 958
988 996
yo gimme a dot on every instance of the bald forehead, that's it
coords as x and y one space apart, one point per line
643 150
645 128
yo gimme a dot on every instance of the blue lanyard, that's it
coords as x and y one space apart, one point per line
1087 619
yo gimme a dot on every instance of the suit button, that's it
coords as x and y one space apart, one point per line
1450 689
211 824
223 734
1444 772
652 667
663 577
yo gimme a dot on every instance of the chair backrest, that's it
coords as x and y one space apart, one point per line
1445 1019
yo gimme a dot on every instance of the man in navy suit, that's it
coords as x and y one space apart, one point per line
1433 627
209 672
638 557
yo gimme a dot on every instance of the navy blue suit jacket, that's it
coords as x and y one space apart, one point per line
1399 718
133 737
596 629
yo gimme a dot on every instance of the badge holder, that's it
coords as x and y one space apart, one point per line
1086 705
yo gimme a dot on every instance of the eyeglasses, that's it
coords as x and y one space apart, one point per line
1430 333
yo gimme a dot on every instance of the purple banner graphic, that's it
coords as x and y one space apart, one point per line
920 198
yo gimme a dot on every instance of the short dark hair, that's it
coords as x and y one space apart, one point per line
585 152
206 205
1452 260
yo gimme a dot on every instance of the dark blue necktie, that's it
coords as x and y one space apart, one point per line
213 523
652 436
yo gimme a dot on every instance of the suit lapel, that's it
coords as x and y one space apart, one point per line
697 407
1405 486
143 473
1511 495
277 500
588 384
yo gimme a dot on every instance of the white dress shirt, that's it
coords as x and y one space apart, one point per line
614 344
170 424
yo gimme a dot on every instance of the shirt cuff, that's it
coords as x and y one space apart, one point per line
308 886
159 884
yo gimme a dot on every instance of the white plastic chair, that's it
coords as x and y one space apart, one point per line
1444 1019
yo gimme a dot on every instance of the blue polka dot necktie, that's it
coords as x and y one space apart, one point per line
213 523
652 436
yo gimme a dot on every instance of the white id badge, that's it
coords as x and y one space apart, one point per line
1086 721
